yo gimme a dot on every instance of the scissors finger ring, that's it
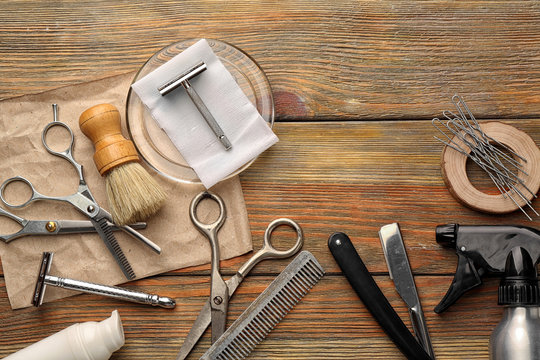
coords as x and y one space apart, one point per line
207 229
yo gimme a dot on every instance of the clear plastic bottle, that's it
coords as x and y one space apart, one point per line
84 341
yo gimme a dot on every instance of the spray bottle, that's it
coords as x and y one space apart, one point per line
84 341
513 253
518 334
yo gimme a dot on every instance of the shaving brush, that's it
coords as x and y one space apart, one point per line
132 193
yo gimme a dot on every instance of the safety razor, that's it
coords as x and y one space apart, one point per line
183 80
45 279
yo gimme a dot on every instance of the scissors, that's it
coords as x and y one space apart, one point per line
213 310
82 200
53 227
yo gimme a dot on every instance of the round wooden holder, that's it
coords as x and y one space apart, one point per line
453 164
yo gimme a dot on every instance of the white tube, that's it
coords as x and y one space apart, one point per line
85 341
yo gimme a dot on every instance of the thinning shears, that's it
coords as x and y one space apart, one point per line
82 200
215 309
52 227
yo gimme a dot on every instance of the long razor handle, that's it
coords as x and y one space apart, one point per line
207 115
111 291
104 230
371 295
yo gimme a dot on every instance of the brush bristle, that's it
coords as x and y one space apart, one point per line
133 194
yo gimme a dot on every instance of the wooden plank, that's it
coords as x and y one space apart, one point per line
356 177
330 322
325 60
336 61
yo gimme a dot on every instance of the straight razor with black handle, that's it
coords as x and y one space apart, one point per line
371 295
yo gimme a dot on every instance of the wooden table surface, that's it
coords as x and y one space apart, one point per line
356 84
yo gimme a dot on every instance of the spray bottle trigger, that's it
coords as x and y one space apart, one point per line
465 279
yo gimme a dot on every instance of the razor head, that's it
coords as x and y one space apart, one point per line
183 77
39 291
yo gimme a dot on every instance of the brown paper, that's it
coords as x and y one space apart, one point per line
85 257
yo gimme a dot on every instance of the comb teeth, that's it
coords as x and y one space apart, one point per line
263 314
115 249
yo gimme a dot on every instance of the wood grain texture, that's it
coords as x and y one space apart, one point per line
356 177
325 60
330 322
335 69
329 176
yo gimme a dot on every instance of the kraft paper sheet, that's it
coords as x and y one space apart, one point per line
85 257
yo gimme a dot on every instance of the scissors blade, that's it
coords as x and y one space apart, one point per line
219 322
130 230
86 226
196 331
104 230
400 272
219 303
204 319
58 227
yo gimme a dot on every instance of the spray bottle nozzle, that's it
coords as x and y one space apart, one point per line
519 286
483 249
446 235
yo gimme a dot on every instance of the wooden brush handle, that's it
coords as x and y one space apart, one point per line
101 123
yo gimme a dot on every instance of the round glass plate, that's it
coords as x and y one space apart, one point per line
153 144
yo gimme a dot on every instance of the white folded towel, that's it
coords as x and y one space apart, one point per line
176 114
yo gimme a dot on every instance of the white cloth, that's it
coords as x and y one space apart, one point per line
176 114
